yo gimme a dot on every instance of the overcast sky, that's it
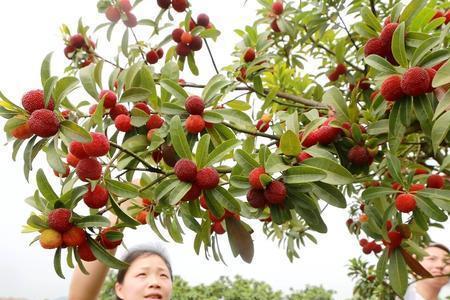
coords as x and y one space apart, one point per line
30 30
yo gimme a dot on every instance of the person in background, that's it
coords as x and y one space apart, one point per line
438 264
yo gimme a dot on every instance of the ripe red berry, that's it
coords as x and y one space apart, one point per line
88 169
435 181
203 20
169 155
107 242
277 7
333 76
144 107
249 55
109 98
99 145
275 192
327 134
359 156
152 57
125 5
431 73
196 43
96 198
131 20
43 123
66 172
193 193
179 5
310 140
185 170
34 100
303 156
416 187
363 242
50 239
274 26
112 14
85 252
141 217
253 177
123 123
183 49
415 81
176 34
438 14
194 105
217 228
76 148
405 203
262 126
77 41
341 69
374 46
186 38
118 109
72 160
207 178
395 239
194 124
391 88
59 219
69 51
256 198
154 122
22 132
387 33
164 4
75 236
160 52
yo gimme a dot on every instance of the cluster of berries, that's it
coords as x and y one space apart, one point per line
368 247
177 5
186 41
154 55
195 123
205 179
216 223
340 69
80 50
123 8
382 45
277 10
259 196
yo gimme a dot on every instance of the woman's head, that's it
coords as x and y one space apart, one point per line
149 275
437 263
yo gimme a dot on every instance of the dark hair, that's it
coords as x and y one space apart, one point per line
141 251
440 246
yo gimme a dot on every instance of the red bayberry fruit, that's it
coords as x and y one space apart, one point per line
22 132
196 43
327 134
431 73
395 239
274 26
85 252
194 124
194 105
154 122
253 177
164 4
109 243
88 169
262 126
310 140
160 52
179 5
76 148
415 81
59 219
256 198
99 145
131 20
72 160
185 170
96 198
249 55
193 193
125 5
374 46
123 123
34 100
69 51
141 217
277 7
183 49
176 34
77 41
207 178
217 228
363 242
43 123
186 38
118 109
50 239
435 181
112 14
391 88
152 57
275 192
405 203
359 156
66 172
203 20
75 236
109 98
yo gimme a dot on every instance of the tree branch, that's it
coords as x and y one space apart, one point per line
146 164
255 133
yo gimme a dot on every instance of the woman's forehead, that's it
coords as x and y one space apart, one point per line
149 261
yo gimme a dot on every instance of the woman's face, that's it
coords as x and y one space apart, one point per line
148 277
438 264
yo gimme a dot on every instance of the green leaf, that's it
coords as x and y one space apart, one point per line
48 89
239 105
45 68
303 174
369 18
424 49
148 83
394 167
88 80
165 187
135 94
244 160
201 155
380 64
398 46
221 151
178 192
375 192
45 188
214 85
236 116
440 130
122 189
412 9
381 265
336 174
57 263
104 256
396 128
64 87
240 239
174 89
212 117
74 132
430 209
423 110
178 138
398 274
290 144
172 109
54 160
329 194
334 98
442 76
275 164
225 199
123 216
435 193
192 65
124 44
442 106
93 221
136 143
213 205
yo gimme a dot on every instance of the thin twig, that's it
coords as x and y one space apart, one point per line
346 30
146 164
108 61
210 55
255 133
137 43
